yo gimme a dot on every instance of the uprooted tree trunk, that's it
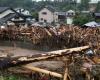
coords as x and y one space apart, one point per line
15 61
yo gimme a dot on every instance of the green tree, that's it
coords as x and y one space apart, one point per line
84 5
35 15
82 19
98 7
16 3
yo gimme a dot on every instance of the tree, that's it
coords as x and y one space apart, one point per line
84 4
81 20
35 15
16 3
98 7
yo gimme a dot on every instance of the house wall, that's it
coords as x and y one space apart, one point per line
56 16
5 13
49 17
69 20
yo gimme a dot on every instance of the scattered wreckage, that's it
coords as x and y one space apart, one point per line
79 63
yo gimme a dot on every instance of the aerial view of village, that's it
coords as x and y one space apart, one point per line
49 39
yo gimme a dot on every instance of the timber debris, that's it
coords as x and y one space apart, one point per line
80 52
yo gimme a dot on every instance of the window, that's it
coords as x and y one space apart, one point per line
41 18
45 20
44 13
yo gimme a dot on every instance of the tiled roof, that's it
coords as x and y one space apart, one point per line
2 9
6 18
52 9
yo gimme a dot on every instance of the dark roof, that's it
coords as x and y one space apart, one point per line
61 13
2 9
11 15
97 14
52 9
6 18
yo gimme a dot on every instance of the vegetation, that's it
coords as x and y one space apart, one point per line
98 7
12 77
16 3
82 19
35 15
64 5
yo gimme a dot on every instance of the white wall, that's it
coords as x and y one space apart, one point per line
49 16
5 13
69 20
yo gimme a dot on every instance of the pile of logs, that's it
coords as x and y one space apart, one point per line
62 37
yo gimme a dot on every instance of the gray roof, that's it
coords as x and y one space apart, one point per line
97 14
61 13
6 18
52 9
2 9
92 24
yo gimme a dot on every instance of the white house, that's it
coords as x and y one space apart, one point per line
22 11
70 14
48 15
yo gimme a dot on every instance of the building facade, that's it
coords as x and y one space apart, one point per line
48 15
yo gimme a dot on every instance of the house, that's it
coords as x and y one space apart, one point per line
61 16
8 14
96 16
22 11
69 16
4 11
48 14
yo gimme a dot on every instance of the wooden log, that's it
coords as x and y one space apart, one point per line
25 33
70 50
9 62
44 71
66 74
48 32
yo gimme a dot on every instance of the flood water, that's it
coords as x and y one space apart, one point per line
23 44
19 48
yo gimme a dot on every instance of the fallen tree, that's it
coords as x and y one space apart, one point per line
15 61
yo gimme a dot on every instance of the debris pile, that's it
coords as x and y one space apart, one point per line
62 37
79 63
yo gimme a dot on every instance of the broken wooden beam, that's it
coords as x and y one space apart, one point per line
51 73
66 74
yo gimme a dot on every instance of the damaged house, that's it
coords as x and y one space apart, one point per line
10 16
